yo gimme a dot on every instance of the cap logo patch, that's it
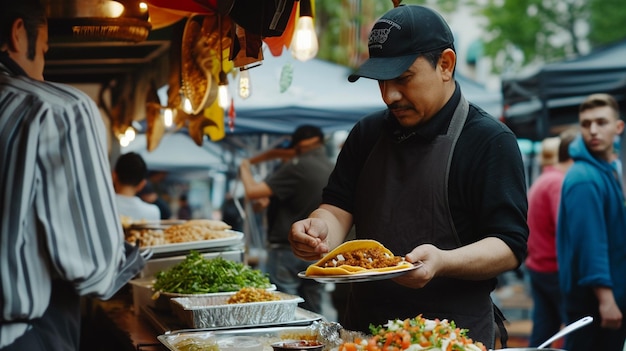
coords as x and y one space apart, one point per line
399 37
378 36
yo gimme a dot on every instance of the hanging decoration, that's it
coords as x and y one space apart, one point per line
215 130
278 43
267 18
155 123
286 77
198 85
247 48
183 8
231 115
218 36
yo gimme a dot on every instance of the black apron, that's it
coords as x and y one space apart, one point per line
402 202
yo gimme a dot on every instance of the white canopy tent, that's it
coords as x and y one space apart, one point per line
320 94
177 152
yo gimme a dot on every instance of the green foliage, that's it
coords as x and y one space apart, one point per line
522 32
337 20
517 32
526 31
607 21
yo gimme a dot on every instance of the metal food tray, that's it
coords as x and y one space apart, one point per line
166 322
266 336
144 294
215 311
235 238
156 225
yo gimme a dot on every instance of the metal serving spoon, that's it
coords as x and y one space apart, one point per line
568 329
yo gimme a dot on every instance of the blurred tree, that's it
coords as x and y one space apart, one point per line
523 32
607 21
343 26
518 33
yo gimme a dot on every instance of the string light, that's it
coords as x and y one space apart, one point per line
127 136
244 83
130 133
304 44
168 117
187 106
222 88
222 91
123 140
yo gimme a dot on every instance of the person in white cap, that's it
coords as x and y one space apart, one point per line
433 178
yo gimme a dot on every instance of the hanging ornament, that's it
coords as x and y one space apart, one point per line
286 77
231 115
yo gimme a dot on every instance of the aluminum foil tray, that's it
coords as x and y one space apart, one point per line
264 336
166 322
143 295
214 311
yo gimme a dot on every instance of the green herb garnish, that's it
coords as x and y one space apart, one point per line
199 275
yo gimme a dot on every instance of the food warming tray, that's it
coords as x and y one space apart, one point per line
266 336
215 311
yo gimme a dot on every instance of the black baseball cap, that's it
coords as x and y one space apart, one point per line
399 37
305 132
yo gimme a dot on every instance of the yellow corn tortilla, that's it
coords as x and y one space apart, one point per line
318 268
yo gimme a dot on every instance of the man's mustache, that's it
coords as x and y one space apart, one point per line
398 106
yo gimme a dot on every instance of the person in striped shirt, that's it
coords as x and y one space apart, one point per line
60 233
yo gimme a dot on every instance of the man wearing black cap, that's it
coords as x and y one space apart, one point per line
432 177
295 190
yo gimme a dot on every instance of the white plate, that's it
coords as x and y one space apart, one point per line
236 238
360 277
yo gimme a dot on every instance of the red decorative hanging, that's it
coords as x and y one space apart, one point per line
189 6
231 115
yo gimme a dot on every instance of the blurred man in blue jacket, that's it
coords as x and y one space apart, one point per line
591 232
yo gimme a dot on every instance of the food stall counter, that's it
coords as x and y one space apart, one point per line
114 325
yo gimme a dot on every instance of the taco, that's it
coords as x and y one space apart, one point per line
357 256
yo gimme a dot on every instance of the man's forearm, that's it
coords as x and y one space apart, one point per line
484 259
283 154
254 189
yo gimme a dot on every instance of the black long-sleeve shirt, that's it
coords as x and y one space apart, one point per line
486 186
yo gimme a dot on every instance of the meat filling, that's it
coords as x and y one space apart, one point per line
366 258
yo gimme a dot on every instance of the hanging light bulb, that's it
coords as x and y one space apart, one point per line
304 44
123 139
129 134
244 83
222 86
222 91
187 105
168 117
